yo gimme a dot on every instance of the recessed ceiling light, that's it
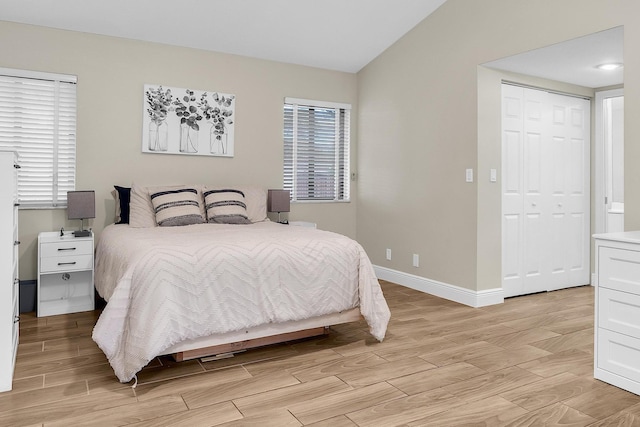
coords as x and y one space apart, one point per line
609 66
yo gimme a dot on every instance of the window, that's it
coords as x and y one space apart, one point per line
38 120
316 150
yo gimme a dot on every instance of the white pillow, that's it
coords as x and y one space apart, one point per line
256 200
141 213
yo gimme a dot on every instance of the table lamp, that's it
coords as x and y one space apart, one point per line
278 201
81 205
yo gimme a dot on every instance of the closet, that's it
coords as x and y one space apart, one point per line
545 190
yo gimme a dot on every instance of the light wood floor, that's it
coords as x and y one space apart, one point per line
525 362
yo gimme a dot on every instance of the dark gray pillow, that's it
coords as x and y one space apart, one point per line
124 198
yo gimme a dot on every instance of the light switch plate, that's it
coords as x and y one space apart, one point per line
469 175
494 175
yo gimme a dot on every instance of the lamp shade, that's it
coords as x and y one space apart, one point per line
278 201
81 204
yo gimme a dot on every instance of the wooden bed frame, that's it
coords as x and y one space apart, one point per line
258 336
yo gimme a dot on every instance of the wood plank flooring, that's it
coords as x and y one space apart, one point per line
526 362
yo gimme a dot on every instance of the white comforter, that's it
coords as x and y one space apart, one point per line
168 284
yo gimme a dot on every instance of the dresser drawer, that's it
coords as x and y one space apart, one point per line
66 248
15 334
619 312
619 354
619 269
16 313
15 292
15 222
15 262
66 263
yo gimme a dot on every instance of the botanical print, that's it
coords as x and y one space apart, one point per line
186 121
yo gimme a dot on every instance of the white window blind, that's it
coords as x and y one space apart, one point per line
38 120
316 150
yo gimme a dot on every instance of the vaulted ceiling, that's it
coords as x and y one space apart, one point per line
341 35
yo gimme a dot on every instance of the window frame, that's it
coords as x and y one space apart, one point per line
342 150
48 148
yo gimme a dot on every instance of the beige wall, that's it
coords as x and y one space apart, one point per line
421 126
111 74
416 121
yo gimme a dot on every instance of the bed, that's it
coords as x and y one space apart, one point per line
209 288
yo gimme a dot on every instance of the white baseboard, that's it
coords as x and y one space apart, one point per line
440 289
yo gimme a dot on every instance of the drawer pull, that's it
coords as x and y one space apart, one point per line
67 263
66 249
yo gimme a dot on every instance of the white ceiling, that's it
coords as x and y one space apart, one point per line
342 35
573 61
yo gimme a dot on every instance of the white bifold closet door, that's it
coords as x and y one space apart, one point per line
545 191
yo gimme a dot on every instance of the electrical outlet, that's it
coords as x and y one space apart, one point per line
416 260
388 254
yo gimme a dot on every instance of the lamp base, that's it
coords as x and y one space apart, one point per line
82 233
282 221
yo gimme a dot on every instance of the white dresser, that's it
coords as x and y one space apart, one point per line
9 283
617 310
65 273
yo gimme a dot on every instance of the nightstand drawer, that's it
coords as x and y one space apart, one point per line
66 263
66 248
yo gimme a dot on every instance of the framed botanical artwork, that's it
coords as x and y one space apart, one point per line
187 121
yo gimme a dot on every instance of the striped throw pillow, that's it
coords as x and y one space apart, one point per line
176 207
226 206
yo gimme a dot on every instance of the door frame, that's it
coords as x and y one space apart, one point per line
600 180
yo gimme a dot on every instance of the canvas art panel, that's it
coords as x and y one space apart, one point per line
187 121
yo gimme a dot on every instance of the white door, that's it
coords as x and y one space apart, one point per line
545 176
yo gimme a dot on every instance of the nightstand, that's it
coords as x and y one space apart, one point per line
65 273
303 224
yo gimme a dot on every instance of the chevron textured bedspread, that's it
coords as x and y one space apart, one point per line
168 284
